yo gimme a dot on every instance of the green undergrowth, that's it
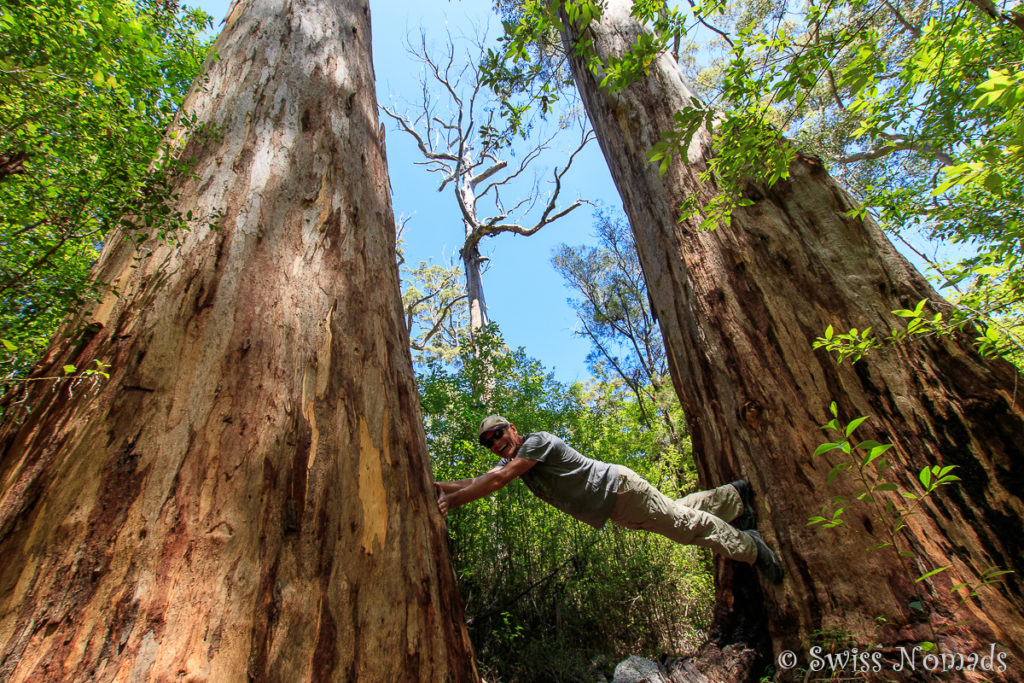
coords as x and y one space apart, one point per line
548 597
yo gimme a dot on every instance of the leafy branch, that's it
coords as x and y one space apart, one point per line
993 337
867 462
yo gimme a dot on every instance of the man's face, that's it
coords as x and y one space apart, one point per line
504 441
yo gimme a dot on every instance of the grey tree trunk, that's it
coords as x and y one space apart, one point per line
248 496
739 308
471 259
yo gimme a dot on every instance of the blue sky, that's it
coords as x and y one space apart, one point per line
525 295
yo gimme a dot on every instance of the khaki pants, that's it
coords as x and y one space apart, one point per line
698 519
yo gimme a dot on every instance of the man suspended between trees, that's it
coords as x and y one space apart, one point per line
594 492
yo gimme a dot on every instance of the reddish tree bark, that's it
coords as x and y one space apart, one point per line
739 308
248 496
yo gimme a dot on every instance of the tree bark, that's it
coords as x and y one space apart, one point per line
248 496
471 259
739 308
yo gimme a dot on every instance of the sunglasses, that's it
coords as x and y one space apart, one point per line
488 439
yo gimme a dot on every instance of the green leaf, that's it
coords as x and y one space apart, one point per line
68 369
8 345
932 573
91 150
876 452
887 486
998 572
854 424
993 182
824 448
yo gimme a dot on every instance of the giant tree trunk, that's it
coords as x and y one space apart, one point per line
248 496
739 308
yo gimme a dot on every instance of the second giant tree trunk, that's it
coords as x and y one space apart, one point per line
739 308
248 496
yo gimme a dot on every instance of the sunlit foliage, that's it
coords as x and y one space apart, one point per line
87 89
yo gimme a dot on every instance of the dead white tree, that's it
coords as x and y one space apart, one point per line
454 129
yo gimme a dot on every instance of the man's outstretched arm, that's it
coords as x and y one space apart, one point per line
481 486
453 486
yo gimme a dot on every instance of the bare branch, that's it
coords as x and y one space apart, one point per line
476 180
834 89
898 143
523 164
493 226
444 314
914 31
720 32
425 150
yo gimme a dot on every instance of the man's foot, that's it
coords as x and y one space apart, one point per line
767 563
747 518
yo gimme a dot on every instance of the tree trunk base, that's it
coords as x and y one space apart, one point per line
738 642
714 662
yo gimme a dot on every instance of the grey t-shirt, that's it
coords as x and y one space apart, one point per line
571 482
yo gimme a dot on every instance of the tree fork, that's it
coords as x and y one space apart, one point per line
248 496
739 308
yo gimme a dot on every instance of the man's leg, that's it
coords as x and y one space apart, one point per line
723 502
638 505
733 502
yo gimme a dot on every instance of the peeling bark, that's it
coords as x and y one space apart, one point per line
739 308
248 496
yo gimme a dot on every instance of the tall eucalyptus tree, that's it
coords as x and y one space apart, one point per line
739 308
247 497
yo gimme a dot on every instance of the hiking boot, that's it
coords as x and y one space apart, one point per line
747 518
767 563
